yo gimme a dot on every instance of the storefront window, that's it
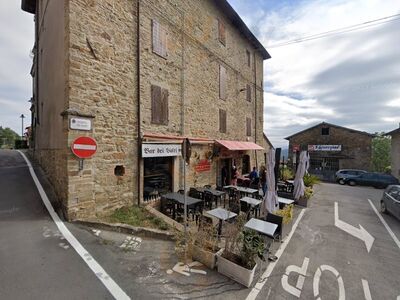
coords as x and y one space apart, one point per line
157 176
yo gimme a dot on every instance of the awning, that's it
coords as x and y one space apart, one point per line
239 146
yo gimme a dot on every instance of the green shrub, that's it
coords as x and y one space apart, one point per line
287 174
310 180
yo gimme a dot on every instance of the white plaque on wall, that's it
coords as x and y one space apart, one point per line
80 124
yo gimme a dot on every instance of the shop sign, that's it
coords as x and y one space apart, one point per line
161 150
80 124
324 147
203 166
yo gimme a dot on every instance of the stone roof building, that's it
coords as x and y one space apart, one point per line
395 152
331 148
137 74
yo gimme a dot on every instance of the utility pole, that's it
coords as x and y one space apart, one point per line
22 128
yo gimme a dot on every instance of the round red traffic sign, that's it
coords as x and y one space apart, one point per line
84 147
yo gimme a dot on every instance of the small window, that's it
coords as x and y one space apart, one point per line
248 57
325 131
159 39
248 126
222 121
159 105
221 32
222 82
248 92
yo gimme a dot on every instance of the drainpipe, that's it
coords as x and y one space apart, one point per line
139 136
36 78
255 107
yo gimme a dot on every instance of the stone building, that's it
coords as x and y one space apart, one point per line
395 152
332 148
139 77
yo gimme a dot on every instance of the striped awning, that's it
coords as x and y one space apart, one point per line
239 146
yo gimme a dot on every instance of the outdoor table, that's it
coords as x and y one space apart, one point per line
285 201
222 215
180 199
217 194
263 227
247 191
254 203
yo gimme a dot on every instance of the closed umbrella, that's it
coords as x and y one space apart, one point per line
302 168
270 199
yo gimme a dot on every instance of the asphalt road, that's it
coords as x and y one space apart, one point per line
35 260
336 264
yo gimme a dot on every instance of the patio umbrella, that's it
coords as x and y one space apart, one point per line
270 199
302 168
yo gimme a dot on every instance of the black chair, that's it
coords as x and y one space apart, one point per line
208 198
278 220
205 221
194 193
207 186
167 206
182 192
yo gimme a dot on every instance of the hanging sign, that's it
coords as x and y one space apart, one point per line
324 147
203 166
161 150
84 147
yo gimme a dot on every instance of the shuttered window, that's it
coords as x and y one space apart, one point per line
159 39
248 126
222 82
159 105
221 32
248 92
248 58
222 121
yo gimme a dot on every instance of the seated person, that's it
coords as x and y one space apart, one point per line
253 174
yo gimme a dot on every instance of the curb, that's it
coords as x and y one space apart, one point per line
128 229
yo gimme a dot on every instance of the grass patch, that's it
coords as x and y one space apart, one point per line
137 216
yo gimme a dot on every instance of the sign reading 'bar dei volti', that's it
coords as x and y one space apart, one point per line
161 150
324 147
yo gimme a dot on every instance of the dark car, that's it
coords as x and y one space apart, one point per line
377 180
341 175
391 201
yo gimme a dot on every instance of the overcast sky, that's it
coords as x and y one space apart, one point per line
351 79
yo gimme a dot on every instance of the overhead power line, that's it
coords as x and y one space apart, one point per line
342 30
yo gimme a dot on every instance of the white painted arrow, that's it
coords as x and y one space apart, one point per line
361 233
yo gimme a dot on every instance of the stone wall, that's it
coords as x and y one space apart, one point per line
395 154
356 146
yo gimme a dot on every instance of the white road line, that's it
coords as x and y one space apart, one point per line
264 277
391 233
367 292
98 270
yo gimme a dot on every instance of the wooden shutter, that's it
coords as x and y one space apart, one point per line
164 107
248 126
155 104
222 83
221 32
248 92
222 121
248 58
159 39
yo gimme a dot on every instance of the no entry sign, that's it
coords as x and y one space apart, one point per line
84 147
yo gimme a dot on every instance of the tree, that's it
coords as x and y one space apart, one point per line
8 137
381 146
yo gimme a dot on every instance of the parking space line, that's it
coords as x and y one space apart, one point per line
264 277
391 233
97 269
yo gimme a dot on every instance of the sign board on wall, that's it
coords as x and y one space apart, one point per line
80 124
324 147
203 166
161 150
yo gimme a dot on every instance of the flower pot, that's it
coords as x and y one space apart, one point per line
303 201
207 258
234 271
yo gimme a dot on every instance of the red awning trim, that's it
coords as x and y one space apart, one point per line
239 146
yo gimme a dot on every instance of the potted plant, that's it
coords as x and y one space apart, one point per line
286 214
205 246
242 247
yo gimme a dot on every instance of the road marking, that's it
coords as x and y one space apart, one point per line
264 277
317 277
361 233
367 292
391 233
295 291
101 274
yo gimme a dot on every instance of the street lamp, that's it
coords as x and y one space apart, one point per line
22 129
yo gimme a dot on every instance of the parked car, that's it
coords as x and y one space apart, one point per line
391 201
377 180
341 175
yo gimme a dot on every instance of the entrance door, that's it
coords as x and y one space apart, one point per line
157 176
227 163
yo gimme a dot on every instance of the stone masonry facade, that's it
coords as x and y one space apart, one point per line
99 71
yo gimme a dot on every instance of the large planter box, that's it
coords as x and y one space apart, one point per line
207 258
234 271
302 202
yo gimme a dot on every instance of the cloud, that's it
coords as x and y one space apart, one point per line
16 40
349 79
